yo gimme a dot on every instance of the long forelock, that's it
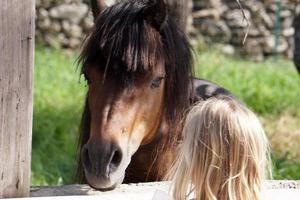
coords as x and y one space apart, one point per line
122 35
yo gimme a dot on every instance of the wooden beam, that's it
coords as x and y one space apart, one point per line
17 19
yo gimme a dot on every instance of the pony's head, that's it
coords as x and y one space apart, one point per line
138 67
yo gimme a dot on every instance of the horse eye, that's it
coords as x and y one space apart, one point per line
155 83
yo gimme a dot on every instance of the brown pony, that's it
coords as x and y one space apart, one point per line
138 66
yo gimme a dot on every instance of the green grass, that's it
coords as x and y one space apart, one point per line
285 168
270 88
58 100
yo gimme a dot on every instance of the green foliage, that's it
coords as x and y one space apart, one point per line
58 100
285 168
268 88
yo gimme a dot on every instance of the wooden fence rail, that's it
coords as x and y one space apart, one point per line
16 75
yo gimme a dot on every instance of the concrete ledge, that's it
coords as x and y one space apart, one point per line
275 190
70 190
147 191
282 185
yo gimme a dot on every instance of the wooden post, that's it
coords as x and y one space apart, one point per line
17 19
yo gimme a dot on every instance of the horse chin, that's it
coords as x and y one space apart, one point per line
103 184
106 189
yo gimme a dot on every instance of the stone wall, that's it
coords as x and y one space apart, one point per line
271 29
63 23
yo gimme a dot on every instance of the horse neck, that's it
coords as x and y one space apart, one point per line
152 161
165 149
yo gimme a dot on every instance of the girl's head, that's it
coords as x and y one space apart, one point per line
224 153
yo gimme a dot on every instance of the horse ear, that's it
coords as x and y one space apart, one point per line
97 7
155 13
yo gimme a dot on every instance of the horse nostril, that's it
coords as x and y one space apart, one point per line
116 158
101 159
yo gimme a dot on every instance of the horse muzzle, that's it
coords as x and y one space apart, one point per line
101 162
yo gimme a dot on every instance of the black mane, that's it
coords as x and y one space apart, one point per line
122 35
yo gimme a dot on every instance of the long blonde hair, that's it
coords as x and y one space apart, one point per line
224 154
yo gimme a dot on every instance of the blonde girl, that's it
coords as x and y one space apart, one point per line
224 154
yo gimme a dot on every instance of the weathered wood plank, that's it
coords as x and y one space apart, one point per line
16 71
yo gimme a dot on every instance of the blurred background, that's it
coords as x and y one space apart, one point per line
259 71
